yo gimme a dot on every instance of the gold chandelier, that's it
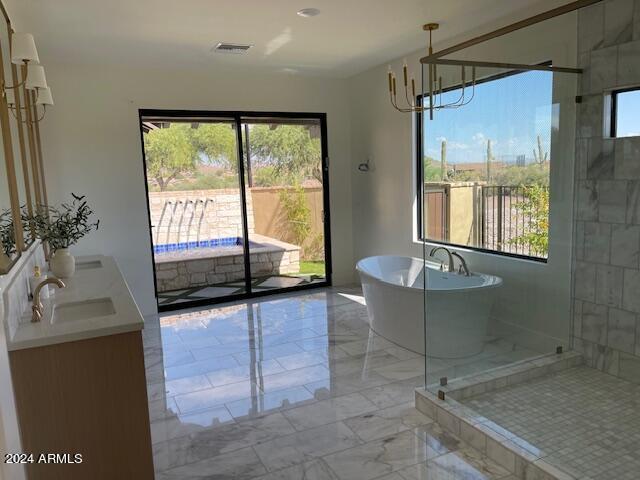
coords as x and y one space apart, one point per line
432 60
435 85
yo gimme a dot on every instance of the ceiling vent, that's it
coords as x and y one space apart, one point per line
236 48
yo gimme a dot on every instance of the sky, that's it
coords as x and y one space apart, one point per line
628 109
510 111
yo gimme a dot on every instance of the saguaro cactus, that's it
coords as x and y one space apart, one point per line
489 160
540 155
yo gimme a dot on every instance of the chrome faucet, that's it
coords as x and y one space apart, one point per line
37 308
463 265
435 249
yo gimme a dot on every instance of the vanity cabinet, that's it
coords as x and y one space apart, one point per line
85 397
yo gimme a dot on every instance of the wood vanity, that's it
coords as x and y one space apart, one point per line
80 386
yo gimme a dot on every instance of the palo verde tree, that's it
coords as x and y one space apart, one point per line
218 142
170 152
290 149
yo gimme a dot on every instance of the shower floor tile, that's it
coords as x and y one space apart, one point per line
586 422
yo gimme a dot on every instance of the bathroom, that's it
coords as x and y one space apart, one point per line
283 357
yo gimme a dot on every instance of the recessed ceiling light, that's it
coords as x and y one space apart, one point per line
308 12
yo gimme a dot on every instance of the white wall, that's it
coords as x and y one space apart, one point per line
535 296
92 146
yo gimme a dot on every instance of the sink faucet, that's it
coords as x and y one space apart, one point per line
463 265
37 308
436 249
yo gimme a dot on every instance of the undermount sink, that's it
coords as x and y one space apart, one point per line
74 311
88 265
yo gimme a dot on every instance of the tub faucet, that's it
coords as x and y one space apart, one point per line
451 266
463 265
37 308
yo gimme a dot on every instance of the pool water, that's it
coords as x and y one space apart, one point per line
210 243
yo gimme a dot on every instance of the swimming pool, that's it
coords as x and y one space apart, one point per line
210 243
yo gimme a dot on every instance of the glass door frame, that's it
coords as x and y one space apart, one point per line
236 117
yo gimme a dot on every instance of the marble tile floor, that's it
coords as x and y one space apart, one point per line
580 420
295 386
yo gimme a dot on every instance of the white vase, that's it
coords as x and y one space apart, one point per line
62 263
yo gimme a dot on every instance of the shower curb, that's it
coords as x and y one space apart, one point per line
499 444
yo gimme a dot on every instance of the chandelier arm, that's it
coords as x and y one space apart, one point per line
44 112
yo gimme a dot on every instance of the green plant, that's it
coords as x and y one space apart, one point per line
535 208
62 227
170 152
291 149
297 213
7 233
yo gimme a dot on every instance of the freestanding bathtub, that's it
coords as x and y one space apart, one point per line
457 306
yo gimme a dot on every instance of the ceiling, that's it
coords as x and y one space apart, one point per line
348 36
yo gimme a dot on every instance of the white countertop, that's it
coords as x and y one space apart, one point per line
102 282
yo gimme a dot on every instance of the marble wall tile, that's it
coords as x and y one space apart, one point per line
597 241
621 330
587 204
577 318
625 245
628 65
500 454
603 69
629 367
627 158
591 27
606 359
633 202
600 159
594 323
609 282
585 281
631 293
618 21
582 158
590 119
636 21
578 248
612 200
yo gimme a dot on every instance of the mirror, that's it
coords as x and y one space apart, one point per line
20 181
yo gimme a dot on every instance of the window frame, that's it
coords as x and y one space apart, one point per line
613 119
420 230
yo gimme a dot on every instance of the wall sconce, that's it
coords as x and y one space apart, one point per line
23 49
43 97
24 53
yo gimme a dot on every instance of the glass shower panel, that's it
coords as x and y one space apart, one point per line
495 167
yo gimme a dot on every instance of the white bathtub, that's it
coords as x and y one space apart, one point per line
458 306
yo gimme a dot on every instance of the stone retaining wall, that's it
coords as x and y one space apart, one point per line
215 266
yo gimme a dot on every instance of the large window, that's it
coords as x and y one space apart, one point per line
625 121
483 169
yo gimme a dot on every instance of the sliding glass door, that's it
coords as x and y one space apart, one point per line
238 204
284 185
